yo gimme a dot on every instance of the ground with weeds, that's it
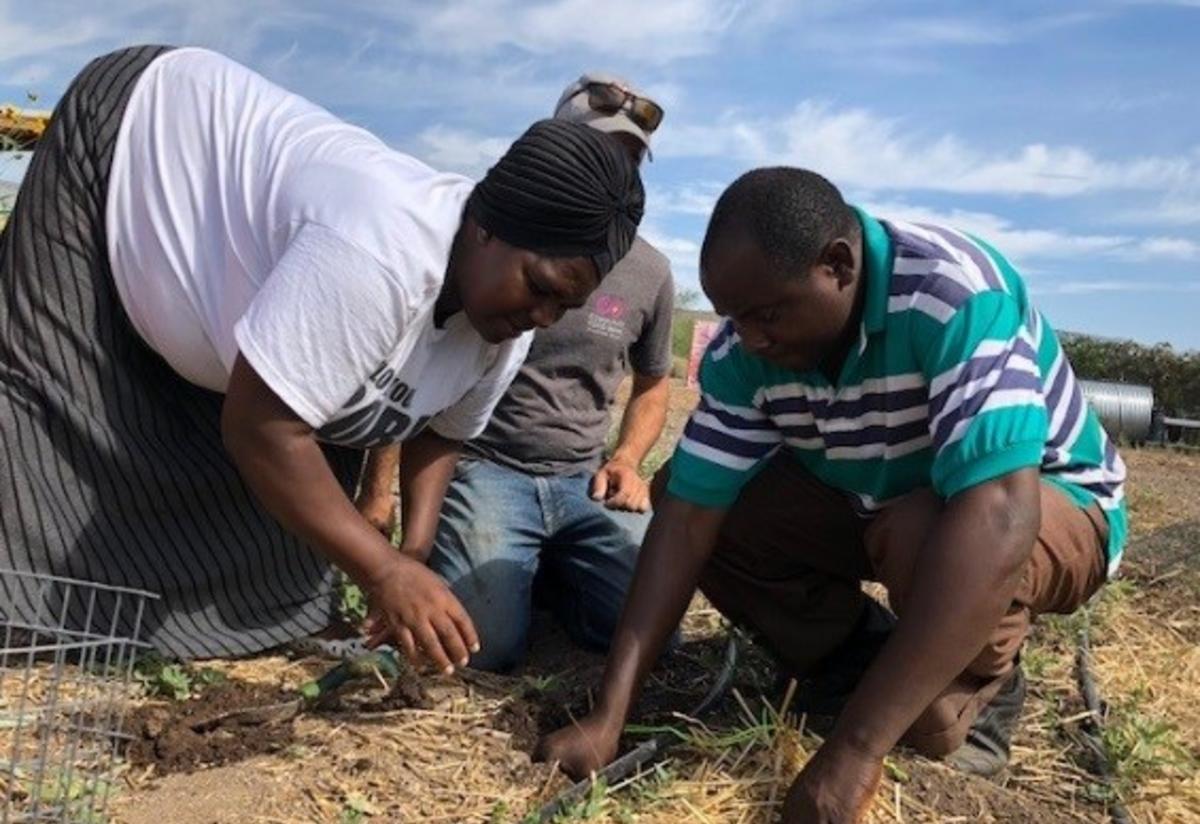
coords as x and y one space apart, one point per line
457 749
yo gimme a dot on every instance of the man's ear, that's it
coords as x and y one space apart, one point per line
838 256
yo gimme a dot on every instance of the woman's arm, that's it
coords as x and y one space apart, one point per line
279 458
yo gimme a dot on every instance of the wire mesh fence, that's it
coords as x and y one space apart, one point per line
65 679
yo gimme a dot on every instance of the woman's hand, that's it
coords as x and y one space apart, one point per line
413 606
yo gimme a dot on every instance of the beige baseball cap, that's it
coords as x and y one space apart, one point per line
573 106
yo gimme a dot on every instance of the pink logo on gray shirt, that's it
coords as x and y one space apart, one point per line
609 306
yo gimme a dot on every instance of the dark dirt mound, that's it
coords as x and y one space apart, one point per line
551 700
215 728
406 693
519 717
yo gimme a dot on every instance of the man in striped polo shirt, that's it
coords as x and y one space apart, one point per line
883 403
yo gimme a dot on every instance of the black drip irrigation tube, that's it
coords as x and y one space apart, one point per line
649 750
1092 725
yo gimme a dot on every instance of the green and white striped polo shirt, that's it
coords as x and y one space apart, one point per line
956 379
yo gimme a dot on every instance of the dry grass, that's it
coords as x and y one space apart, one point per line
1147 661
452 763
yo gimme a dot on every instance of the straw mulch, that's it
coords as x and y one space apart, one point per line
460 761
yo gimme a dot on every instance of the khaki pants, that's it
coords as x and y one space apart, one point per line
792 554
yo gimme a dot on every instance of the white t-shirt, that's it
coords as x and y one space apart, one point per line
242 217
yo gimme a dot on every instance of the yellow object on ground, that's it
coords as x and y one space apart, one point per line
21 127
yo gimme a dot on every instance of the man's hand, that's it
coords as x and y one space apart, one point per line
414 607
380 512
584 747
836 786
619 486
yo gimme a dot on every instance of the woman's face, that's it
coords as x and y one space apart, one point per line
506 291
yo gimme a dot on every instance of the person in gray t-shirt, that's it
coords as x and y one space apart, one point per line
535 509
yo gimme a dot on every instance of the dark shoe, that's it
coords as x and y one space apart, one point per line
826 689
986 750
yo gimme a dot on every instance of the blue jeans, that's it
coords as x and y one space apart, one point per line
500 529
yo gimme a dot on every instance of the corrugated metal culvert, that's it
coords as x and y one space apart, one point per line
1125 409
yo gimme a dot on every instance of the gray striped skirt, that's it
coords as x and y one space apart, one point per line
111 465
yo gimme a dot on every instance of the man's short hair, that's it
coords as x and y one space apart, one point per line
791 214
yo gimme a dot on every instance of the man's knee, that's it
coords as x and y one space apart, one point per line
496 595
630 529
939 731
499 652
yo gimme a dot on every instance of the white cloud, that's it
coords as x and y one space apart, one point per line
459 150
1171 247
689 199
633 29
683 252
855 147
1022 245
1180 207
19 41
915 34
1084 287
942 31
1174 210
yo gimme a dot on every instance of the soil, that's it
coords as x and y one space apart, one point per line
520 718
687 674
962 797
406 694
1163 556
457 749
211 729
1166 566
213 796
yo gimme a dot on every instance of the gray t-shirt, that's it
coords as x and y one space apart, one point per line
555 416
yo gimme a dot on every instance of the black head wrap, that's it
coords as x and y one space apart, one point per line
563 190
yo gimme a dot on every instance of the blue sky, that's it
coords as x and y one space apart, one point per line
1067 133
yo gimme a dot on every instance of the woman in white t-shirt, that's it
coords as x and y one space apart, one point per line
216 294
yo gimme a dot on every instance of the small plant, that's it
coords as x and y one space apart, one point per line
589 807
896 772
75 794
356 809
651 789
352 601
1036 661
624 815
168 679
173 681
541 684
1140 746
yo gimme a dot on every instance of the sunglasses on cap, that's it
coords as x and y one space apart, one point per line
608 98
